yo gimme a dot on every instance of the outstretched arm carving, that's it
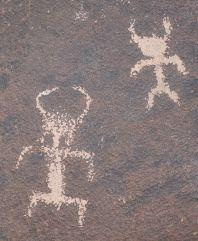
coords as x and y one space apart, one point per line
140 65
86 156
175 60
26 150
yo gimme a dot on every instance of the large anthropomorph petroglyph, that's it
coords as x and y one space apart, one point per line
59 126
155 48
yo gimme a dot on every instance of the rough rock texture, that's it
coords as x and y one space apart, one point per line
146 170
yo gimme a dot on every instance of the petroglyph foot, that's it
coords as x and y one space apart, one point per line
58 200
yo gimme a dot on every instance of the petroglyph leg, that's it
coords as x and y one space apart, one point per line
161 88
159 91
172 94
57 197
81 203
49 198
151 98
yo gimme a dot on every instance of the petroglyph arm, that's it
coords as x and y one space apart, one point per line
139 65
25 150
161 88
131 28
134 36
86 156
175 60
158 90
80 154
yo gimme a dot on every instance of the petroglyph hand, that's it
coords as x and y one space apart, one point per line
167 27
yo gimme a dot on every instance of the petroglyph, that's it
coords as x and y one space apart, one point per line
59 126
82 14
156 48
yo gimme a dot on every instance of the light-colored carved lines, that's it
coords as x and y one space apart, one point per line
59 126
156 48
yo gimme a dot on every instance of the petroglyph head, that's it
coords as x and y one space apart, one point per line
153 46
60 125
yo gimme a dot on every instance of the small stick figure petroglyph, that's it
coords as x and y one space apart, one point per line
59 126
82 14
156 49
